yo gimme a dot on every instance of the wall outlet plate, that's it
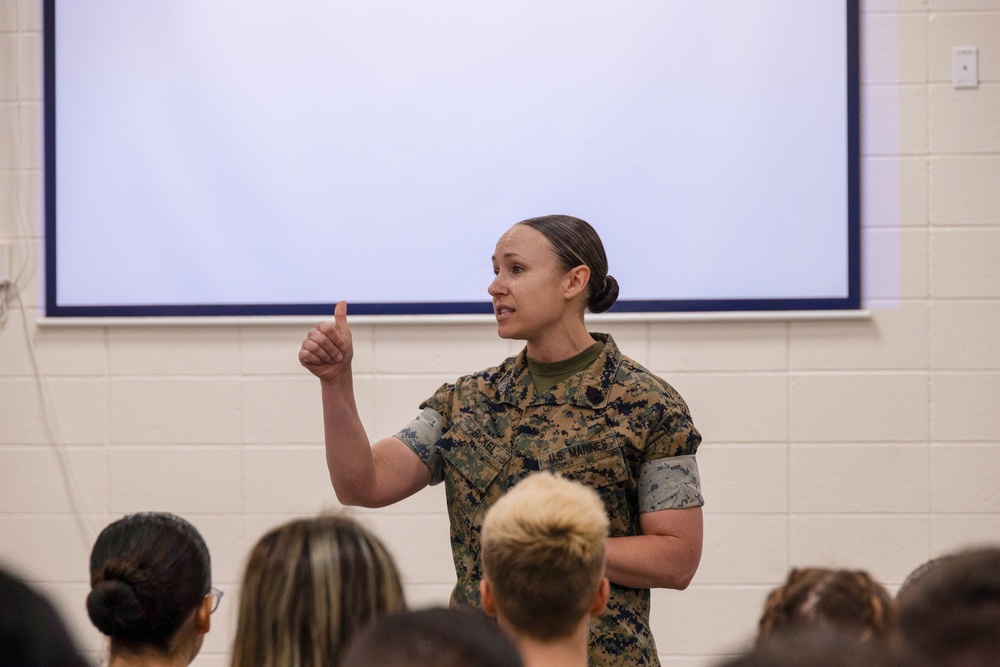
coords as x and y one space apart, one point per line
965 67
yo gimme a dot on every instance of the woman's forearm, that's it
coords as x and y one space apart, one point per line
666 555
361 473
348 451
650 561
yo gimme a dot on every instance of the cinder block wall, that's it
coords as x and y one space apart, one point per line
870 443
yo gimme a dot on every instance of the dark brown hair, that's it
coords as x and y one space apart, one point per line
435 637
576 243
951 614
148 573
847 600
817 648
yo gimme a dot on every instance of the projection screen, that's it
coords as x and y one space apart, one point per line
215 157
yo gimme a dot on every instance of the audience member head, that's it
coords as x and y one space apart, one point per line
816 647
150 579
436 637
950 615
32 634
918 574
845 600
310 585
543 557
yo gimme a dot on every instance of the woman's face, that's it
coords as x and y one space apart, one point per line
530 285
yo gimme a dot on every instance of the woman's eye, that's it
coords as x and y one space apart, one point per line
516 269
496 272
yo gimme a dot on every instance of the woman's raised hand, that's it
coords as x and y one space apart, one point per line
327 350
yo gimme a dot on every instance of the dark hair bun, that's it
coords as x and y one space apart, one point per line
115 608
148 572
605 297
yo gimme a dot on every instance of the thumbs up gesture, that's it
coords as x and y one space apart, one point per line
327 350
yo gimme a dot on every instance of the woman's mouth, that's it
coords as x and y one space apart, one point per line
503 312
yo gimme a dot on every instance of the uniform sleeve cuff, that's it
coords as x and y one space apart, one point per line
669 483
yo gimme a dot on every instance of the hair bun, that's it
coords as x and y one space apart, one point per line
605 297
114 608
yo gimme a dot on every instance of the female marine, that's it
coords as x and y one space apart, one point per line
569 403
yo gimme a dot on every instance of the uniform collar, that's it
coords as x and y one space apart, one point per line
588 388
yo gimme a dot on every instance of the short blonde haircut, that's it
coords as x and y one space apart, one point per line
310 586
543 554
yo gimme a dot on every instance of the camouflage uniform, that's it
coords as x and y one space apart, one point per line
614 426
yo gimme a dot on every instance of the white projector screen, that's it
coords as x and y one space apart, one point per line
228 157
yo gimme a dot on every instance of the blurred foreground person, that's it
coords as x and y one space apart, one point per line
817 647
436 637
32 634
151 590
310 586
543 567
950 615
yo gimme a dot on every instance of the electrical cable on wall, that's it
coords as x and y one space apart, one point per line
5 285
10 288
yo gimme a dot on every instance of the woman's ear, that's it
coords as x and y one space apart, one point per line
576 282
203 616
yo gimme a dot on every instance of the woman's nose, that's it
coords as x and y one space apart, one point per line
496 287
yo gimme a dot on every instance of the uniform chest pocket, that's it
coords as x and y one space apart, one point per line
597 464
473 452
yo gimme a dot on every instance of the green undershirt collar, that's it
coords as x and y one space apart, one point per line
545 375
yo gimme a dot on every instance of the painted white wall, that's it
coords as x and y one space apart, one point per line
868 444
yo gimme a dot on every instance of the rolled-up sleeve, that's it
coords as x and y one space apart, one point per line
669 483
422 435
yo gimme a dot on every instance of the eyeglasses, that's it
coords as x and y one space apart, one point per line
216 596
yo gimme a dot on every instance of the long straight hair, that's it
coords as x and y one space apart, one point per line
310 586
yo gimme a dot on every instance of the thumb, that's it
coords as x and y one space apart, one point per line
340 313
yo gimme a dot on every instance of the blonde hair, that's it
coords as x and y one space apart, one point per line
543 554
820 598
310 586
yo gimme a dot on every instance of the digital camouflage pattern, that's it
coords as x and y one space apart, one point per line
598 427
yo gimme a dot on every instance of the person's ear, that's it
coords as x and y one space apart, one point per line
576 281
203 616
600 600
489 602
